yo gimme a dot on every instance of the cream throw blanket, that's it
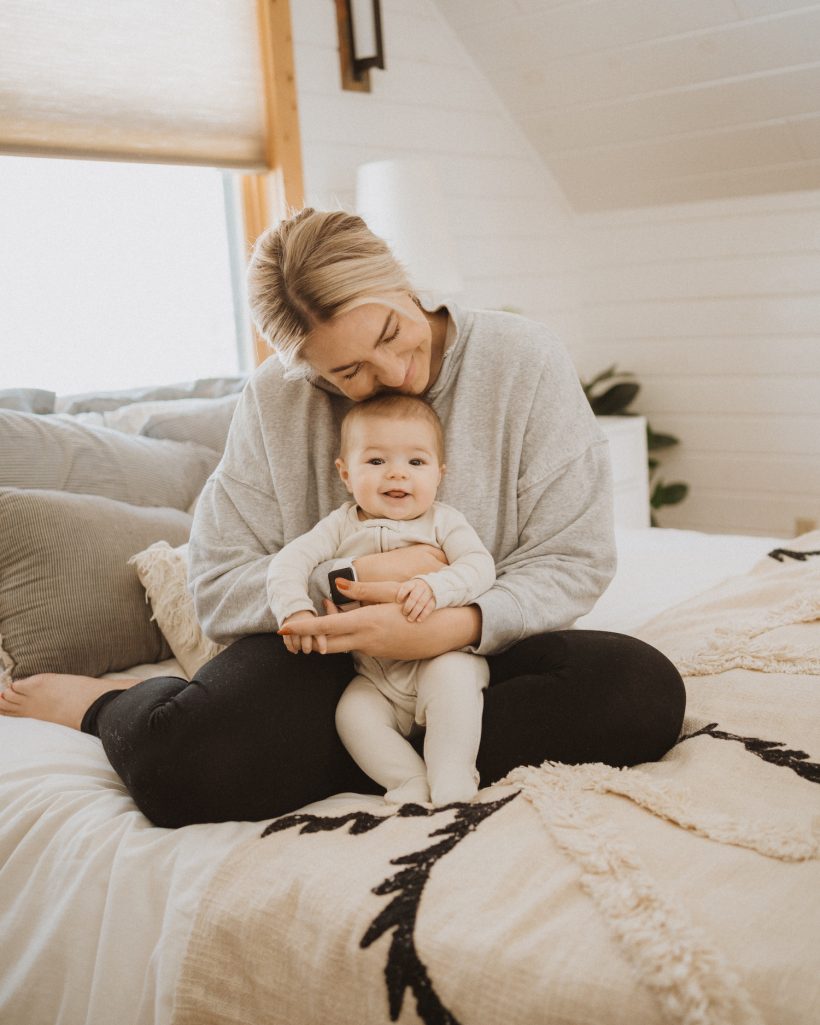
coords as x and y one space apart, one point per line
758 621
684 891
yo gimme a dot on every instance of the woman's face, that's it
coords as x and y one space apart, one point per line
374 348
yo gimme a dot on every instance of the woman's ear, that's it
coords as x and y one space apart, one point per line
344 473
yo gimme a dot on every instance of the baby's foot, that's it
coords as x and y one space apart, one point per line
461 787
56 697
413 791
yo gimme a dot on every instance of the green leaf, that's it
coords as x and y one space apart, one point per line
654 440
668 494
614 399
605 375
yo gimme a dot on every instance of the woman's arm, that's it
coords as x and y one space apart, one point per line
400 564
228 560
237 525
387 568
382 631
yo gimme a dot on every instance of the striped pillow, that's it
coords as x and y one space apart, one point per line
69 600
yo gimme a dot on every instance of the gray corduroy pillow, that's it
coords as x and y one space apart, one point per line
57 454
101 402
27 400
69 601
202 420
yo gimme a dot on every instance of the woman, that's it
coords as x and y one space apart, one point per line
252 735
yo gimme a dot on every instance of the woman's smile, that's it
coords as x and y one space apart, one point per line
390 346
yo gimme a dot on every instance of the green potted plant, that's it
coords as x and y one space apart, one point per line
610 393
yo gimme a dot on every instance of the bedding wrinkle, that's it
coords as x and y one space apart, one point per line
90 888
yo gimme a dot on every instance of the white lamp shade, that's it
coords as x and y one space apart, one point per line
402 201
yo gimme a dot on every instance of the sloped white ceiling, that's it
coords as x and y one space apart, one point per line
642 102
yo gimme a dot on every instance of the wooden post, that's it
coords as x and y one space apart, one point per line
268 198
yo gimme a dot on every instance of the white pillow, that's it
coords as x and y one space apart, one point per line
163 572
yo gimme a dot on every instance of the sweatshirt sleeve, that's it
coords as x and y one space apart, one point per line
237 525
565 555
289 571
471 570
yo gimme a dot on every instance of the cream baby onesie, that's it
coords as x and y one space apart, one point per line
380 705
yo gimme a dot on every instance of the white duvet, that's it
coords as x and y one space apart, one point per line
96 904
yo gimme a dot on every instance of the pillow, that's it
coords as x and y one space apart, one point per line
69 601
163 571
27 400
201 420
101 402
54 453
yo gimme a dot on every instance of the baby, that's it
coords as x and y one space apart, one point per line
392 462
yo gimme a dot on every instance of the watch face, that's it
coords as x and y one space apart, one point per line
336 595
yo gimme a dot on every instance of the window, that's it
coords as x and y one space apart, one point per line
117 275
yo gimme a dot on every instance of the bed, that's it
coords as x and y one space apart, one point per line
682 891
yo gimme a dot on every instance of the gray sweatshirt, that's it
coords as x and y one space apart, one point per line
527 465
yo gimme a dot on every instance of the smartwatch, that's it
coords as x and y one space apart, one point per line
348 573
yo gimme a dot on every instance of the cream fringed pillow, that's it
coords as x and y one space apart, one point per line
163 572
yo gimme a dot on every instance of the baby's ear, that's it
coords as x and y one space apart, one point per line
344 473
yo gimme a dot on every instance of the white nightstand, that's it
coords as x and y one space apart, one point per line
630 472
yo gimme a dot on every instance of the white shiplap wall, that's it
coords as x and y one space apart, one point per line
716 307
514 231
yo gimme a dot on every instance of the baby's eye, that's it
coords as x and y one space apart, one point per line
417 462
375 461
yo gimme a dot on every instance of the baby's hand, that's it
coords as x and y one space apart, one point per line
294 643
417 598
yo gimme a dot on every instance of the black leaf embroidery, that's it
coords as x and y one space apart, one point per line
780 555
404 969
773 751
362 822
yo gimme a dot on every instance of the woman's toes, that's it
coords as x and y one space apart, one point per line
9 699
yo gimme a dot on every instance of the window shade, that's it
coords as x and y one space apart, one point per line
154 80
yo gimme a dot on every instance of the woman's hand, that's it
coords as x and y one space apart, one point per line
382 630
399 565
295 642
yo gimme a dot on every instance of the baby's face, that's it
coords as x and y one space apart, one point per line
391 467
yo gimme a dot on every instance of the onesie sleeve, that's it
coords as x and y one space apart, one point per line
471 570
289 573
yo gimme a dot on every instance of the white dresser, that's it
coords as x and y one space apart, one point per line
630 472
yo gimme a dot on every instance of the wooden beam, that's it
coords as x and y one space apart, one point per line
268 198
284 146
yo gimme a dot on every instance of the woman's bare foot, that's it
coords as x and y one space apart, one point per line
56 697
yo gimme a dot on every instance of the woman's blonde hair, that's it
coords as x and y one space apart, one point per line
312 267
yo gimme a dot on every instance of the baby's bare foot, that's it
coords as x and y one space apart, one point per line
56 697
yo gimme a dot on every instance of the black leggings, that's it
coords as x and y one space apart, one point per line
252 736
